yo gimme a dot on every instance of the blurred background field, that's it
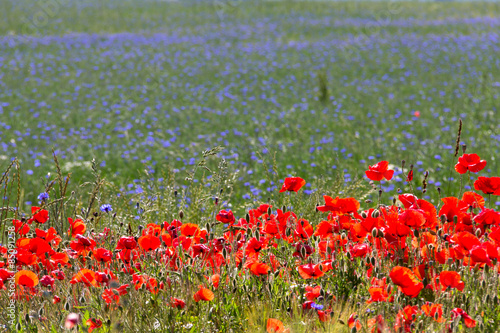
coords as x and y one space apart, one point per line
318 90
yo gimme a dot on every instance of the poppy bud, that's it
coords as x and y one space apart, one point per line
343 236
247 218
317 210
363 215
416 233
27 318
67 306
478 232
375 214
372 261
455 219
181 214
216 200
269 211
40 312
367 260
18 327
283 208
348 255
483 284
380 233
403 162
464 148
495 299
439 190
175 193
374 232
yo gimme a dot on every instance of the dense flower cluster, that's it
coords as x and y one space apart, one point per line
409 249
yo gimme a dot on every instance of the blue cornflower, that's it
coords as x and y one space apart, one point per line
43 197
106 208
317 306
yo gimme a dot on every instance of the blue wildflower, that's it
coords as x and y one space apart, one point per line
106 208
42 197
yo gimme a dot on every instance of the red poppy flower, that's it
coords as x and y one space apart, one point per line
149 242
82 245
353 321
128 243
469 322
203 294
226 216
412 218
359 250
488 217
313 292
76 227
338 205
377 324
102 255
47 281
38 215
113 295
469 162
26 278
93 324
406 280
379 171
451 279
488 185
257 268
378 294
275 326
177 303
293 184
86 276
150 283
479 254
409 178
20 227
433 310
309 271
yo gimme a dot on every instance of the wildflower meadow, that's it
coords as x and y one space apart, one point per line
249 166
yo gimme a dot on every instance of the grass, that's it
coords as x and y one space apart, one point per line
330 87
